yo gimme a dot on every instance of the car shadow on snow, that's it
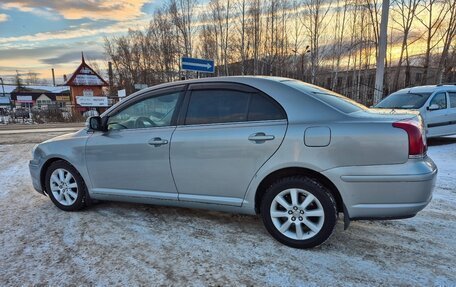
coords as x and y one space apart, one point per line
199 226
146 212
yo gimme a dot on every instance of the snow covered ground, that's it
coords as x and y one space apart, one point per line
127 244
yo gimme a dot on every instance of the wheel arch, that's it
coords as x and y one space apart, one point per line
47 164
294 171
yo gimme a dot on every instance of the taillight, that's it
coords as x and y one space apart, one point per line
416 138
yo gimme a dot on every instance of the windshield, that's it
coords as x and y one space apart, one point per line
331 98
404 101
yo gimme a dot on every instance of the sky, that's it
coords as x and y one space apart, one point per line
36 36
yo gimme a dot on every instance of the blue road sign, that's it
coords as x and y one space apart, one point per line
198 65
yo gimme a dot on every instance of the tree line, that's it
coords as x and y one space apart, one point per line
302 39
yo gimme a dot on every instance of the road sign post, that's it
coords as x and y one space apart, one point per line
197 65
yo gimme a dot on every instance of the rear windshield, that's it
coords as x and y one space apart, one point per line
403 100
331 98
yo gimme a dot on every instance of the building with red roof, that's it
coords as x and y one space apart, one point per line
86 89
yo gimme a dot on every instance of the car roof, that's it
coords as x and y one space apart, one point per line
290 98
429 89
228 79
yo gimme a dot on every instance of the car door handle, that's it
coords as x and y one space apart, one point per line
261 137
158 142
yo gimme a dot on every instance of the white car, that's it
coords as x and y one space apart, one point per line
90 113
436 104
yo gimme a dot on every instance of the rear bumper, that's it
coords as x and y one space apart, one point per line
35 175
385 191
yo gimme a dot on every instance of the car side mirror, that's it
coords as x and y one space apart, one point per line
433 107
95 123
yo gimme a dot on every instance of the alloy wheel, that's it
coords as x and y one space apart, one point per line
297 214
64 187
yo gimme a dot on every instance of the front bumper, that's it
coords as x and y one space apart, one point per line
385 191
35 173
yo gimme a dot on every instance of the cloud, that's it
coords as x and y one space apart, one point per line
73 9
73 56
81 31
19 53
42 12
64 58
3 17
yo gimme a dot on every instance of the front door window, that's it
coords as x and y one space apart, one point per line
156 111
439 100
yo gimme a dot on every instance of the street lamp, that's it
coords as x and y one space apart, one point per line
303 54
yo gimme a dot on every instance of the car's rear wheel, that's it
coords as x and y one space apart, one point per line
65 186
299 212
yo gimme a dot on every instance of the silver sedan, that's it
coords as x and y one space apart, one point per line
296 154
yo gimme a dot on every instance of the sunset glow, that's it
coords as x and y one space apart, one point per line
39 35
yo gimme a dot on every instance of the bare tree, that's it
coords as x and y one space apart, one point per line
182 13
432 19
324 42
374 9
255 32
406 12
207 38
242 11
226 30
31 78
449 35
315 21
297 39
341 19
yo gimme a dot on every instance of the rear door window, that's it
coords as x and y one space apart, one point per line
263 108
217 106
224 106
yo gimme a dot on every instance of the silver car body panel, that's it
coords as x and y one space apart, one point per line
120 160
69 147
207 159
217 167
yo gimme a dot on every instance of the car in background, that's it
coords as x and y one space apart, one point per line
436 104
294 153
90 113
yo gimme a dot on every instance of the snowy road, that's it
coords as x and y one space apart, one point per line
26 131
127 244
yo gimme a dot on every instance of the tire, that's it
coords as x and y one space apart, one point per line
65 186
304 209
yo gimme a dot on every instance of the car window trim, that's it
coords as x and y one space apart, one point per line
222 85
235 123
141 129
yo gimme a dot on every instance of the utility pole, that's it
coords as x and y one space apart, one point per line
3 87
111 79
53 77
378 92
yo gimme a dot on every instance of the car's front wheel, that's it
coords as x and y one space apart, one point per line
299 212
65 186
